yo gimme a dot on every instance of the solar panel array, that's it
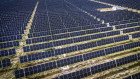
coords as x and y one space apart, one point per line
69 39
71 60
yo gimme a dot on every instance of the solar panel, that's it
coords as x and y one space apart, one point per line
5 63
38 68
77 33
130 25
126 60
19 73
131 45
93 54
6 45
36 56
60 36
113 33
9 44
26 49
114 49
136 76
74 29
92 31
120 26
7 52
136 35
106 29
10 38
37 47
138 56
87 45
124 22
121 38
128 30
105 41
137 28
16 43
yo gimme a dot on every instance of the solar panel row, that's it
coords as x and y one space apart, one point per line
5 63
124 21
11 33
99 68
136 35
123 15
131 30
59 63
134 76
7 52
127 25
9 44
10 38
